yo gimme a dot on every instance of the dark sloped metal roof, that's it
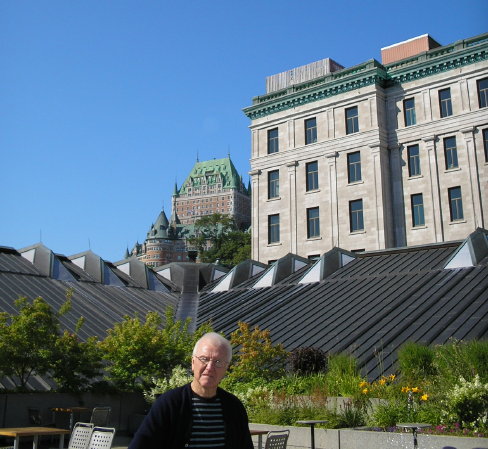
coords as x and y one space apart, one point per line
369 307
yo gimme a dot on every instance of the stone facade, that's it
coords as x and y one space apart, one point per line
373 156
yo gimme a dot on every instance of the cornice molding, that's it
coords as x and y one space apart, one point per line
370 73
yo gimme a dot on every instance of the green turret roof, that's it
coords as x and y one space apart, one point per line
159 230
212 172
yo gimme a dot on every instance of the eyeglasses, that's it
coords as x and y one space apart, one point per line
206 361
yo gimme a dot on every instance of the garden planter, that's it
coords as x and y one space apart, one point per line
368 439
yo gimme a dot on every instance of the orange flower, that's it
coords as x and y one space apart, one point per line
365 391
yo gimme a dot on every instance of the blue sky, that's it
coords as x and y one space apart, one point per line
104 104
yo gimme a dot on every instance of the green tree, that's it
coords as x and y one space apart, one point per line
258 357
137 351
28 339
77 362
231 249
217 238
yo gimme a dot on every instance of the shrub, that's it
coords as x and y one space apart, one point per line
416 362
343 376
258 357
179 376
467 403
461 359
307 360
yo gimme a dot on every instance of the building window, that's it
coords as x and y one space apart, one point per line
485 143
356 215
409 110
450 153
310 131
313 222
483 92
456 203
312 176
417 202
274 228
273 184
354 167
413 160
352 120
273 141
445 102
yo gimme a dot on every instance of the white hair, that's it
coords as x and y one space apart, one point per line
216 340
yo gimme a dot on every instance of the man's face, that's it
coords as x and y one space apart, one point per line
209 376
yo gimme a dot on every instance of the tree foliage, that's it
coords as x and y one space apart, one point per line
218 238
257 356
28 339
137 351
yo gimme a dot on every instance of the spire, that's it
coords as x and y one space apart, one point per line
175 190
127 255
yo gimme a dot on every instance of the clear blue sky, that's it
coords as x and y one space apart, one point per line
104 104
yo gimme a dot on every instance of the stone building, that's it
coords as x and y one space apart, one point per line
212 186
374 156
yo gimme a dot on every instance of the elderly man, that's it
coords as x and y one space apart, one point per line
200 414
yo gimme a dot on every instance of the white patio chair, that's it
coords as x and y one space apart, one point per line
277 439
101 438
80 436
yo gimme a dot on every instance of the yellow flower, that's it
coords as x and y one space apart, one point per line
382 381
365 391
392 377
363 384
415 390
424 397
405 389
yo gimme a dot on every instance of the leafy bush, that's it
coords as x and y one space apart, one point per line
307 360
416 362
343 375
179 376
467 403
257 357
461 359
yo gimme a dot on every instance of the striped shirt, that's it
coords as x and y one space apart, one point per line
208 429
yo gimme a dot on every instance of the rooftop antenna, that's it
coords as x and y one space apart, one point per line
197 157
89 244
40 235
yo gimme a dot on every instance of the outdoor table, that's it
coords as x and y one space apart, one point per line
414 427
71 411
312 423
17 432
260 434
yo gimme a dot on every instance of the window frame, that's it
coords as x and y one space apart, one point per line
273 229
450 153
273 141
413 161
356 216
482 92
418 212
445 104
352 122
273 184
313 222
354 167
455 203
310 130
311 176
409 112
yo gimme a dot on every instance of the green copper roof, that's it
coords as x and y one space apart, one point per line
432 62
211 173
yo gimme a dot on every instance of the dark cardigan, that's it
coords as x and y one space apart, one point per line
168 424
